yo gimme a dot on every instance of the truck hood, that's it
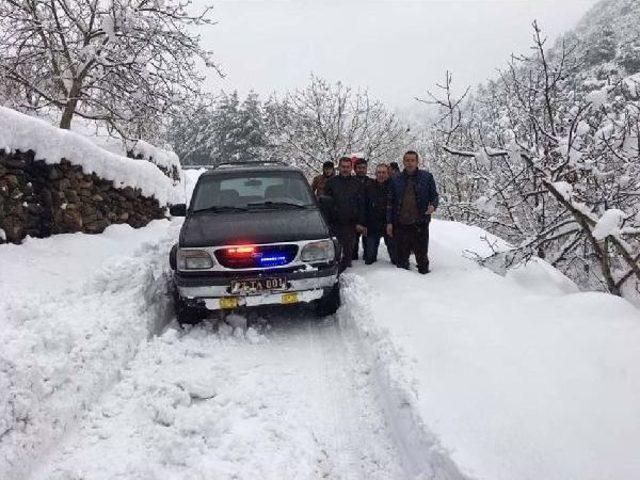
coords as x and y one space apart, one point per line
209 229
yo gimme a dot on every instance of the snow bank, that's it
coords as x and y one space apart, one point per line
51 144
74 310
517 377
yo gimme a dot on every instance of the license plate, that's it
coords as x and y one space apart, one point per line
258 285
228 302
289 298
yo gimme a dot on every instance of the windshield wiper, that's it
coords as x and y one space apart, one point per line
221 208
276 204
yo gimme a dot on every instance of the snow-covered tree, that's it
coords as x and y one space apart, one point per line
324 121
224 130
124 63
548 157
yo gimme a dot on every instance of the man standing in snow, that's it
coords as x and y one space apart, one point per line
361 167
376 214
319 181
413 197
348 213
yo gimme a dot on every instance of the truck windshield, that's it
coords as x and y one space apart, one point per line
251 190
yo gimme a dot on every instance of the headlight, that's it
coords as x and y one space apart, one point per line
194 260
318 251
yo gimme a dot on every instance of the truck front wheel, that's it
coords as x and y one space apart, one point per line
186 314
329 303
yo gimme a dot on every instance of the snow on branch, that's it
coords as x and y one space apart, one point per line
548 163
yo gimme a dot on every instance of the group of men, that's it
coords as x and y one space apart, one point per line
395 207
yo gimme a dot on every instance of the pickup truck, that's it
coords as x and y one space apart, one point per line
253 234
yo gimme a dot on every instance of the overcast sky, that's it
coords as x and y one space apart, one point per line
396 48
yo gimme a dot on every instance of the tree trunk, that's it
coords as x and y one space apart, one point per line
67 114
70 107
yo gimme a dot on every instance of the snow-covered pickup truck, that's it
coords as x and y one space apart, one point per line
253 235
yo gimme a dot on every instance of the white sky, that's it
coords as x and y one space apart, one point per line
396 48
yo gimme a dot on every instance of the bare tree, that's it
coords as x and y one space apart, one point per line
121 62
324 121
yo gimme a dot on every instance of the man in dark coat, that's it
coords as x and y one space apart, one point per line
319 181
413 197
376 214
361 168
347 215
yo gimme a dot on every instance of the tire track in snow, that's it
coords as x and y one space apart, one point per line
422 456
292 402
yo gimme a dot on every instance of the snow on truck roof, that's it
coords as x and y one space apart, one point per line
51 144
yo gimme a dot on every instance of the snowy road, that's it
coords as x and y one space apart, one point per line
291 397
467 376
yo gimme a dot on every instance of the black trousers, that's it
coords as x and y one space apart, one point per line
372 243
412 238
346 235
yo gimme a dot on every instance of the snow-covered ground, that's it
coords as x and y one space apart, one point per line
73 310
519 377
457 374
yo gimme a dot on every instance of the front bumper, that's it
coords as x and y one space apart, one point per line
214 293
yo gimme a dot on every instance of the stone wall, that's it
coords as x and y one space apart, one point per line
39 200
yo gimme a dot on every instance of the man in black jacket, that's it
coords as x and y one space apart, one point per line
361 165
413 197
376 215
347 216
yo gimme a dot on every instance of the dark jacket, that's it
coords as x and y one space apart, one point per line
348 200
426 194
376 206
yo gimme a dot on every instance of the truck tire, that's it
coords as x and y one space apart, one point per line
329 303
187 315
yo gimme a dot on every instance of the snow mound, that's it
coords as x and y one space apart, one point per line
22 132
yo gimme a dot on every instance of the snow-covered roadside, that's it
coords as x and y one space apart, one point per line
517 377
73 312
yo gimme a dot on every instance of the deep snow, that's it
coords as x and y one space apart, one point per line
519 377
457 374
293 402
73 310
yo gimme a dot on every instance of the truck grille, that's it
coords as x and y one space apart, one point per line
256 256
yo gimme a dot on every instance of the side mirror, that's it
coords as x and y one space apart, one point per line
179 210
